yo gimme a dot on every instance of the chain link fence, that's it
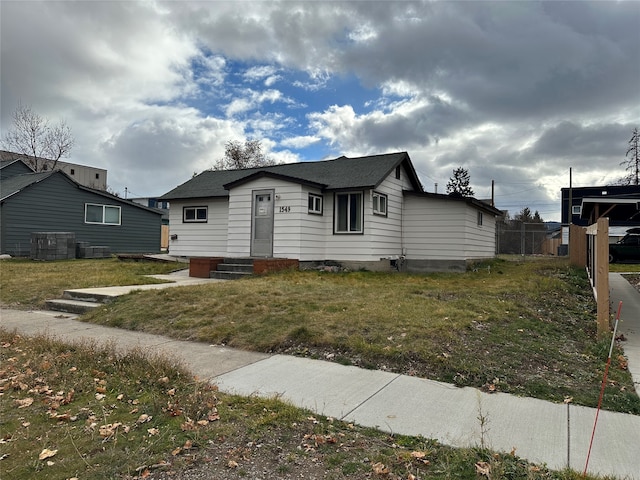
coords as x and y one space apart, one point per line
523 239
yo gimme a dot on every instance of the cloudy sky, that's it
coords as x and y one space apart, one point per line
516 92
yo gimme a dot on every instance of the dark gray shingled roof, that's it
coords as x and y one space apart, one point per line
337 174
13 185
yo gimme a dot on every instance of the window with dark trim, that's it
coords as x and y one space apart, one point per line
194 214
379 204
480 219
348 212
398 172
102 214
315 204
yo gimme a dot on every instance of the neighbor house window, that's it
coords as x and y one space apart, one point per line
315 204
102 214
480 219
194 214
73 172
379 204
348 215
576 210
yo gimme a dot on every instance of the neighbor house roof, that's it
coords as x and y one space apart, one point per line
338 174
14 185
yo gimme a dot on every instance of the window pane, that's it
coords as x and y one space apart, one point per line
94 214
112 215
341 223
201 214
190 214
355 220
383 204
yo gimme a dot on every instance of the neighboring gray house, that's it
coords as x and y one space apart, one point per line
366 212
54 202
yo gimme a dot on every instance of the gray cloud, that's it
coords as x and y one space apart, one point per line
517 92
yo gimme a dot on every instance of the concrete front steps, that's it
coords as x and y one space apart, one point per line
77 302
233 269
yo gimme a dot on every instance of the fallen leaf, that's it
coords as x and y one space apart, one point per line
418 454
46 453
623 364
153 431
380 469
232 464
24 403
483 468
568 399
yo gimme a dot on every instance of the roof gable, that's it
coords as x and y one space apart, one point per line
338 174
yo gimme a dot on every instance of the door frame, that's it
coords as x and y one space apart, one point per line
255 251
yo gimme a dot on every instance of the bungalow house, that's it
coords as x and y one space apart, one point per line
53 202
366 212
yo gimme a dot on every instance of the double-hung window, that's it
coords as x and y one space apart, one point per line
379 204
102 214
315 204
194 214
348 212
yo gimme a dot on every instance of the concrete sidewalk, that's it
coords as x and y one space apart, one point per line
543 432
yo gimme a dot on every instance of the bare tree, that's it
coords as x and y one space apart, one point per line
247 155
35 138
458 184
632 162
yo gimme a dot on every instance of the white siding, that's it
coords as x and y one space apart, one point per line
286 223
315 230
199 239
441 229
480 239
433 229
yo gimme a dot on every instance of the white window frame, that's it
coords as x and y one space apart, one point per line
380 204
104 214
195 218
316 204
348 213
576 210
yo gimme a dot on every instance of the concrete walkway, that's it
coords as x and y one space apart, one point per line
543 432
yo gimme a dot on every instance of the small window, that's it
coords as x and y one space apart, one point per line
102 214
73 171
97 176
398 172
348 213
194 214
379 204
480 219
576 210
315 204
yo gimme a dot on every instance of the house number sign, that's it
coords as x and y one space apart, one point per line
285 209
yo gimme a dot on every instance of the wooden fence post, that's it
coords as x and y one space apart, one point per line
598 268
602 276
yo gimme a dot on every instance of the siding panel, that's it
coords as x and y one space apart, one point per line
58 205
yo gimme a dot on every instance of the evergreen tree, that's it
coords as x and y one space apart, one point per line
632 163
458 184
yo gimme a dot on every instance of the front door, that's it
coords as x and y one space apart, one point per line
262 224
